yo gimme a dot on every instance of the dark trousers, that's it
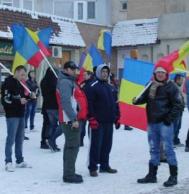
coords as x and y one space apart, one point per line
55 130
177 126
187 140
71 149
30 113
101 144
82 131
45 128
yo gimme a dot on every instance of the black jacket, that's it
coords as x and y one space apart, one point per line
165 107
12 91
48 90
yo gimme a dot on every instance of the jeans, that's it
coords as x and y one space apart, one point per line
101 144
30 112
15 134
71 149
159 132
55 130
177 126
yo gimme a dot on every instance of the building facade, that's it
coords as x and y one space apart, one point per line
93 11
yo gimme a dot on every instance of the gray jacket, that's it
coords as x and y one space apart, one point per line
66 85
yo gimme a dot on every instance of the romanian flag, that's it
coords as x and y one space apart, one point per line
92 59
105 41
135 76
29 45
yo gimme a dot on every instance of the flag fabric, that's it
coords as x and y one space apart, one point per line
92 59
174 62
135 76
28 45
105 41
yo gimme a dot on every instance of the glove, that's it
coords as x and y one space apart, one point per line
93 123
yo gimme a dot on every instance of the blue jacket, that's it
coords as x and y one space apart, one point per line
102 101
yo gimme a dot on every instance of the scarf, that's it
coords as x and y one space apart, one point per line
153 88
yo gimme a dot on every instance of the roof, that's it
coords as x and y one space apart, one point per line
65 30
176 23
135 32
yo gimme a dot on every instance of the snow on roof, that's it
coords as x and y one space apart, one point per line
69 33
135 32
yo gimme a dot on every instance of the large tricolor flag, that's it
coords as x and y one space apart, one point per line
30 47
135 76
105 41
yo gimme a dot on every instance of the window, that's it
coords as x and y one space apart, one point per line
80 10
7 2
123 5
63 8
28 4
91 10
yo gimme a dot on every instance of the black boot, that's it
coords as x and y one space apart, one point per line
151 176
172 180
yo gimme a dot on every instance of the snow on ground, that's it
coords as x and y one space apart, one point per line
129 155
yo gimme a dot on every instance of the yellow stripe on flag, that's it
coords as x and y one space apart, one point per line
87 65
18 60
128 91
33 35
101 40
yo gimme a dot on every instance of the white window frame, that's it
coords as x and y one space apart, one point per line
22 5
84 10
7 2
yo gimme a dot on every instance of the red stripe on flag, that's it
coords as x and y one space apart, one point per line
133 116
43 49
36 60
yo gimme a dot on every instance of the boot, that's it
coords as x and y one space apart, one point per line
73 179
172 180
151 176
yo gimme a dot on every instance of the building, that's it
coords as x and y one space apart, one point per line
91 11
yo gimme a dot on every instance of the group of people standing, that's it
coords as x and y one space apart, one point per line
69 102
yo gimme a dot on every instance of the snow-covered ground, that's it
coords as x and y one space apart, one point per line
129 155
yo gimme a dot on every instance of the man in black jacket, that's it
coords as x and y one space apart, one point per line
103 112
164 104
14 101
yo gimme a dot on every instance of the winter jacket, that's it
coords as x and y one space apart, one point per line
32 85
102 101
48 90
66 101
165 107
12 91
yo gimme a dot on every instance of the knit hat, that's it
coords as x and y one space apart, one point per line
160 69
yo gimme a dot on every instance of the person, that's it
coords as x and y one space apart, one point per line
164 104
178 80
51 108
187 97
31 104
45 126
14 101
69 121
88 78
103 112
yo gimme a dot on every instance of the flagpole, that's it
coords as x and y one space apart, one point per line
8 71
48 63
142 92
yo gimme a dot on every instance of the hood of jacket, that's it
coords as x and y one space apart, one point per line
99 69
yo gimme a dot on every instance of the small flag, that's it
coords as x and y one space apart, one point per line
105 41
